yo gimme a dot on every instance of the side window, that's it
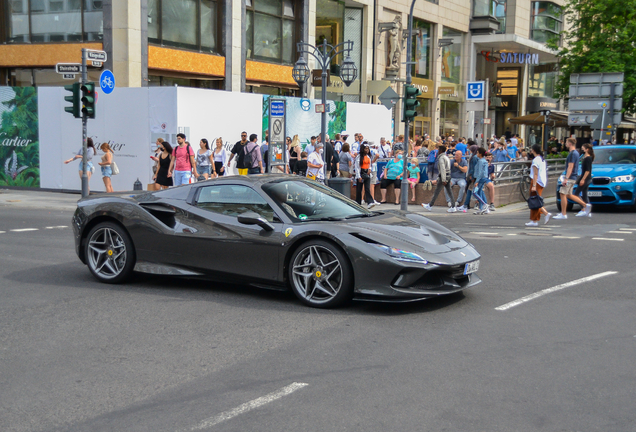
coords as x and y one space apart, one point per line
232 200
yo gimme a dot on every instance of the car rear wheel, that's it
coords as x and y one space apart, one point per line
110 254
320 275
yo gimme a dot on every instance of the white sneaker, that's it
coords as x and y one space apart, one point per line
581 213
373 204
491 207
588 209
452 210
462 209
547 218
561 216
427 207
532 224
485 211
363 202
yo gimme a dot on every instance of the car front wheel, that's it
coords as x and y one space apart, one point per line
110 253
321 275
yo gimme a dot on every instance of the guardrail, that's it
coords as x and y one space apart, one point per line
511 172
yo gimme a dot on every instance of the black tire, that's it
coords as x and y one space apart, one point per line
524 187
110 253
320 274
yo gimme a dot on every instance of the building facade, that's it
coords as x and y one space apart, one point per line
250 46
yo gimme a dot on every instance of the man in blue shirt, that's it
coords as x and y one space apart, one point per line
461 146
513 151
500 154
571 173
311 147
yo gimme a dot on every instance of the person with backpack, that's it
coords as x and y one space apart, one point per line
252 159
182 162
443 181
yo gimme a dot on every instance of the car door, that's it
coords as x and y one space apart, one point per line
218 242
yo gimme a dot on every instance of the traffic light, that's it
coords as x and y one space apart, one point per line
88 100
74 99
410 102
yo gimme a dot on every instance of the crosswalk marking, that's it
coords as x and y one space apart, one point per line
607 238
620 232
24 229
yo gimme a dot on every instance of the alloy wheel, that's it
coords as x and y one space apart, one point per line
107 253
317 274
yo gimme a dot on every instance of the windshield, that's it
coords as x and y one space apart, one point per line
605 156
308 201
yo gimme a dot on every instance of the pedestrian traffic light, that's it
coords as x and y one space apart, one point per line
74 99
410 102
88 99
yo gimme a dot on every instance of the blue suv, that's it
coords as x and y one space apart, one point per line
613 177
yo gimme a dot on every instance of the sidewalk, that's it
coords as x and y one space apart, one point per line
38 199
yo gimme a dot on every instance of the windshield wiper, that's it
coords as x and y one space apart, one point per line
330 218
361 215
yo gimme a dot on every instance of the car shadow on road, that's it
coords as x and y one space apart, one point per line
171 288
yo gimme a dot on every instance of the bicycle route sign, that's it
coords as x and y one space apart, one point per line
107 81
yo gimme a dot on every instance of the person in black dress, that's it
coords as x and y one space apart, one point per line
162 177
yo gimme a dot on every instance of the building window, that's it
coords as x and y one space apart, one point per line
270 30
40 21
449 118
421 48
190 24
542 80
546 21
452 56
491 8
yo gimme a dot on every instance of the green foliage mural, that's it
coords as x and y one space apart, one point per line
19 146
337 121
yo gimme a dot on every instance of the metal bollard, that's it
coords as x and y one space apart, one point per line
138 185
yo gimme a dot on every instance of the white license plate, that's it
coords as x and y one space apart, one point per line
594 193
471 267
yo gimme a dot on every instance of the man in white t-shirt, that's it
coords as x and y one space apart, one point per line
514 140
315 164
384 150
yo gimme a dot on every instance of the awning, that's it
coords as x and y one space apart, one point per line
537 119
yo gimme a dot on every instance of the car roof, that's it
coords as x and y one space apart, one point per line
616 146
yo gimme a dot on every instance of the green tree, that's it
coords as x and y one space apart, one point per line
600 37
337 119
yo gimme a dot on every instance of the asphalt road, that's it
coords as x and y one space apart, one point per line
162 354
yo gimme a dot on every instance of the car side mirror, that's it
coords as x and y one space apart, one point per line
252 218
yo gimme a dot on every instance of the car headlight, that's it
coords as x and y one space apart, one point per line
562 178
401 255
623 179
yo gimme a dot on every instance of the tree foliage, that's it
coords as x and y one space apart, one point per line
600 36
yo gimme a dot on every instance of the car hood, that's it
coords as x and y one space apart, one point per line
613 170
409 231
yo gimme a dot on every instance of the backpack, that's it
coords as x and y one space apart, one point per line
248 157
188 154
432 156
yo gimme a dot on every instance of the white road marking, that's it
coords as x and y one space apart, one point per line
607 238
248 406
2 232
24 229
511 234
57 227
565 237
620 232
537 228
537 234
553 289
484 233
627 229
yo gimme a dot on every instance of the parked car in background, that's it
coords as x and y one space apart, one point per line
613 177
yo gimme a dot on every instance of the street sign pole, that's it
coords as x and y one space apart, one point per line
84 131
486 107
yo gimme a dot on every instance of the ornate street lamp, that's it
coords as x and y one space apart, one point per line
324 55
348 71
300 73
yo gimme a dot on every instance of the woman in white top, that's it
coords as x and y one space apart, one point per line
220 158
539 176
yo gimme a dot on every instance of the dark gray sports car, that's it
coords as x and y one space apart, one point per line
273 231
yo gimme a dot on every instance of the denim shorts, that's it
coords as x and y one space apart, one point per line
204 169
107 171
181 177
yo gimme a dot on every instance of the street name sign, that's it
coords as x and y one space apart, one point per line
389 97
590 119
598 104
595 90
68 76
97 64
68 68
96 55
